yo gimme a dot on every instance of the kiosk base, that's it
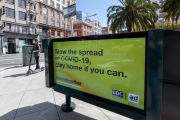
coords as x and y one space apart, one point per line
68 106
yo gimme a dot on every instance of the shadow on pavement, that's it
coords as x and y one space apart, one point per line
15 75
43 111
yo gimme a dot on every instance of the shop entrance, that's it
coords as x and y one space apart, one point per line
11 46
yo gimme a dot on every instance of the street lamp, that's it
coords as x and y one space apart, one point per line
162 15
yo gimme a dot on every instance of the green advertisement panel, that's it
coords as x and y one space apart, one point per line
113 69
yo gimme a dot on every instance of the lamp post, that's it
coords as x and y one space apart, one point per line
162 15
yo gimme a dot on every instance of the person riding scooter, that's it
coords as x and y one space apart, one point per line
36 52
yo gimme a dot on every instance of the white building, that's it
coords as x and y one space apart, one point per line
96 27
20 21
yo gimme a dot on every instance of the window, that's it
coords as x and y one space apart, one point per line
12 28
32 6
10 1
67 3
31 30
62 7
57 15
52 22
24 29
63 25
16 28
10 12
44 1
63 2
62 17
67 26
52 3
22 15
84 32
52 13
22 3
8 27
32 17
20 29
58 33
57 6
58 24
44 11
79 26
52 32
45 21
84 27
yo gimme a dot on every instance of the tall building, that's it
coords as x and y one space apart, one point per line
52 19
79 15
19 24
82 28
96 27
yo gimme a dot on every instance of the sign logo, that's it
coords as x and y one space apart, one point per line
133 98
118 93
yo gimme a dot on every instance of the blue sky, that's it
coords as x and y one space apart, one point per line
98 7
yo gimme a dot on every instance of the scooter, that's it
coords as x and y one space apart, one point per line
30 71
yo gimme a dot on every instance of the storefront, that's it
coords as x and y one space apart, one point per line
15 43
11 46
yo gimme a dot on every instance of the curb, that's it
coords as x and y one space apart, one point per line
17 67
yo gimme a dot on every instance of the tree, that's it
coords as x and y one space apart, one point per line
134 15
168 26
172 7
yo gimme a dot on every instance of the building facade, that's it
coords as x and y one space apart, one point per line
82 28
52 19
96 27
106 30
19 24
79 15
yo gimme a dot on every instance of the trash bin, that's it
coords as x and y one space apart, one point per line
26 56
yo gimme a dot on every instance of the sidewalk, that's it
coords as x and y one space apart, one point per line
26 98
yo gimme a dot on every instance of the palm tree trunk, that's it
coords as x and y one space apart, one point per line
172 24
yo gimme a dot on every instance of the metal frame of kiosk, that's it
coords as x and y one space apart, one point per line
154 46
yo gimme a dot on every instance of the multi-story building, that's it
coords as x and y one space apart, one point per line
79 15
106 30
96 27
82 28
51 19
20 20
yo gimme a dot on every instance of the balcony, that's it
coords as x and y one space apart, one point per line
32 1
33 23
32 10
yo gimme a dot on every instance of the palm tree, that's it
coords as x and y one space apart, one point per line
172 7
133 15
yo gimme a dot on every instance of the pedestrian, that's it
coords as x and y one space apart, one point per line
36 52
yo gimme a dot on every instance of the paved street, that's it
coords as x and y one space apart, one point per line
26 98
14 60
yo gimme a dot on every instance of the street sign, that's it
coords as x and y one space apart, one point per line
69 11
